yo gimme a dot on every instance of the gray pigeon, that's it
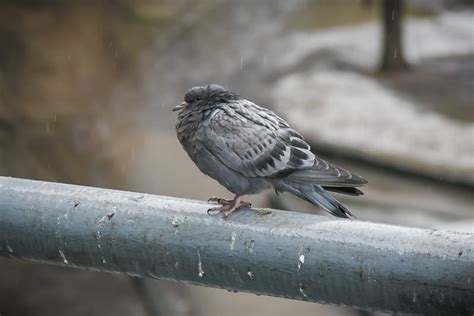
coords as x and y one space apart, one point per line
249 149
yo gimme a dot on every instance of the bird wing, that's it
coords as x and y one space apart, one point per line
326 174
256 142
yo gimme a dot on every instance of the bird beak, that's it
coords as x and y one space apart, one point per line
181 106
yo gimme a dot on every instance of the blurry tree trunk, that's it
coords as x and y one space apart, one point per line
392 58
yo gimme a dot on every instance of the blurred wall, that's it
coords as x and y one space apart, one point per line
63 114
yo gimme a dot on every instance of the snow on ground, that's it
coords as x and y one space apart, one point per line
354 111
451 33
464 226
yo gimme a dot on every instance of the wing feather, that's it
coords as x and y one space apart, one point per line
257 143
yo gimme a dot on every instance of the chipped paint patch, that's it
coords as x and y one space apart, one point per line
251 247
175 222
61 253
9 248
302 291
300 261
200 270
232 240
263 212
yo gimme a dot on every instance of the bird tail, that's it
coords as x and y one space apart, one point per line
316 195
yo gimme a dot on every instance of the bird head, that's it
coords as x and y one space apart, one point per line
200 96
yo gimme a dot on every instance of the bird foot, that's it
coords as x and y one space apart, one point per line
220 200
227 206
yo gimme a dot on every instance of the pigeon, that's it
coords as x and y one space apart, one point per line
248 149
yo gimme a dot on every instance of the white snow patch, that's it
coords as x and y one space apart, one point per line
354 111
450 33
466 226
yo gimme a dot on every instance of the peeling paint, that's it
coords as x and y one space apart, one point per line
175 222
302 291
200 270
300 261
99 246
251 247
232 240
101 220
9 248
137 198
61 253
152 274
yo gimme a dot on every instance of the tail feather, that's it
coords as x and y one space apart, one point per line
344 190
315 194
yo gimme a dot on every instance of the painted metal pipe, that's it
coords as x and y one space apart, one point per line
367 265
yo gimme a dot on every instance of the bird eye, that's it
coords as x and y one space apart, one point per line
197 98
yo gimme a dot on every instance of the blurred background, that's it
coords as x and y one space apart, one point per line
384 88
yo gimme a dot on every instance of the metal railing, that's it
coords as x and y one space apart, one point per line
300 256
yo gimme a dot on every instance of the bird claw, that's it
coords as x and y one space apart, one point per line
244 204
219 200
228 208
